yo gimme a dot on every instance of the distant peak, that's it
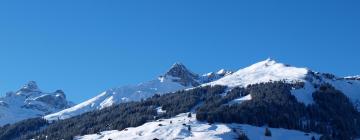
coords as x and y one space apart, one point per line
186 77
178 69
178 65
59 91
31 85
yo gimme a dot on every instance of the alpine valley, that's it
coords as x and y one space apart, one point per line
267 100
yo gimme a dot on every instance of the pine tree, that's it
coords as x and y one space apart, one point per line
267 132
242 136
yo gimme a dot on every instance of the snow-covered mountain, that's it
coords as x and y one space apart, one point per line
258 104
261 72
29 102
264 71
270 70
178 77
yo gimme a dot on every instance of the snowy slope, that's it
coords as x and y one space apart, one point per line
270 70
29 102
264 71
119 95
356 77
199 131
177 78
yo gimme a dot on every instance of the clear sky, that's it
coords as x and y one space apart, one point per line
87 46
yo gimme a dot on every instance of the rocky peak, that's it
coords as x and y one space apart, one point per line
60 93
179 70
30 86
182 75
31 102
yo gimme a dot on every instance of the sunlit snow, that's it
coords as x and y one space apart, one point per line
178 128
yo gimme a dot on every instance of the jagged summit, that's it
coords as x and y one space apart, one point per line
178 70
182 75
29 101
178 64
30 86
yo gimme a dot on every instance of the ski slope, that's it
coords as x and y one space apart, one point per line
178 128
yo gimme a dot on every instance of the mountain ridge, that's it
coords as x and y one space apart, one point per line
29 102
178 77
267 93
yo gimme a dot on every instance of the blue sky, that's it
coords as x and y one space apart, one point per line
87 46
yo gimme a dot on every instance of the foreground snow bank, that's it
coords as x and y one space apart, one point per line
183 127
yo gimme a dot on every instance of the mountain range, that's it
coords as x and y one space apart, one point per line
255 97
178 77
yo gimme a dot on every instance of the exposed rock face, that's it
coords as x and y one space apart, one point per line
31 86
29 101
182 75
